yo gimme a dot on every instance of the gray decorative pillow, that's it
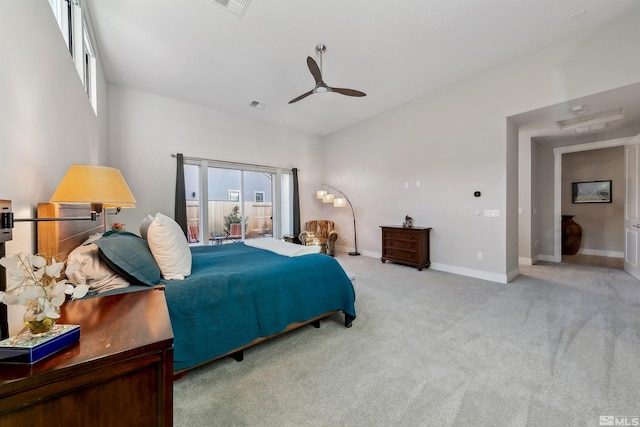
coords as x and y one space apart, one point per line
129 256
144 226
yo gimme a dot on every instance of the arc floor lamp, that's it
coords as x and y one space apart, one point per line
339 202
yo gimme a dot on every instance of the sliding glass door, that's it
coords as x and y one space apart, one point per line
238 202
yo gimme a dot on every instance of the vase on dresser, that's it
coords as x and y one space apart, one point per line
571 235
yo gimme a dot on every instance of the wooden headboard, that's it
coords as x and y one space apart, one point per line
58 238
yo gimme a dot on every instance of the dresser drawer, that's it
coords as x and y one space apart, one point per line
401 235
401 244
400 254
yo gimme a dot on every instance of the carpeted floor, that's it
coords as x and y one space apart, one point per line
559 346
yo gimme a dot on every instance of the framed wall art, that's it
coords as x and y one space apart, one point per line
592 192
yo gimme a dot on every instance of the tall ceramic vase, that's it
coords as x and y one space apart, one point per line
571 235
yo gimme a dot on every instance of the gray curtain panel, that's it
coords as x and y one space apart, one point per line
181 198
296 204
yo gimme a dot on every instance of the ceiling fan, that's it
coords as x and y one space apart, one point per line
321 86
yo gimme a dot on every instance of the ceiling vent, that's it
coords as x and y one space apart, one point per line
237 7
257 105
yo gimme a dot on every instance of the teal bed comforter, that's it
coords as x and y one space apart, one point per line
237 293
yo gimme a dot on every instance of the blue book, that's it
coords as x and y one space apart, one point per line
23 348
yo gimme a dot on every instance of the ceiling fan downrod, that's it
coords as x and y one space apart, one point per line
321 49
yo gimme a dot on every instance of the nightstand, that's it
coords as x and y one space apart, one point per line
120 373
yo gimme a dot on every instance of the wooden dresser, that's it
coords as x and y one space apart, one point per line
408 246
120 373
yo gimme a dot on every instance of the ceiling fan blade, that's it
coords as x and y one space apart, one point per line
304 95
348 92
315 70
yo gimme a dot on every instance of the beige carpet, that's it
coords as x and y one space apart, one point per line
559 346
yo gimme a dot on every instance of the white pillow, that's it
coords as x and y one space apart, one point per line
93 271
144 226
169 247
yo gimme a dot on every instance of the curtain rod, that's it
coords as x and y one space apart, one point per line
232 163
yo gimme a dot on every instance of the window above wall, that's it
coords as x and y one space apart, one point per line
77 37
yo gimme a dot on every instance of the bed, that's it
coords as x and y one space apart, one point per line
235 295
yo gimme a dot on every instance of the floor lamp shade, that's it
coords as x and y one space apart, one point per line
339 202
102 186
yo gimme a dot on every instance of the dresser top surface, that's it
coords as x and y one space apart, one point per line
109 325
399 227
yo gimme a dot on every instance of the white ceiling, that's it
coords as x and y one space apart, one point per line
395 51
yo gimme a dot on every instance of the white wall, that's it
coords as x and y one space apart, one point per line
46 121
146 129
454 141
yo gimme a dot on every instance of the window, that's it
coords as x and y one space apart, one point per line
63 12
76 35
256 197
89 67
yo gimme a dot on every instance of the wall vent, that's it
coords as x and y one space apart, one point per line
237 7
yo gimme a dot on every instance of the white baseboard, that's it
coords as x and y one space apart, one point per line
550 258
513 274
370 254
598 252
469 272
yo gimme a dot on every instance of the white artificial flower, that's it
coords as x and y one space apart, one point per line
31 280
80 291
37 261
11 299
54 269
9 262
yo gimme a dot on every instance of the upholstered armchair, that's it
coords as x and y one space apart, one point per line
322 232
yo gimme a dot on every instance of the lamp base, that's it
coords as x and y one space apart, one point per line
354 253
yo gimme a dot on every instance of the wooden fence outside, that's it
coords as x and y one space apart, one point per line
258 217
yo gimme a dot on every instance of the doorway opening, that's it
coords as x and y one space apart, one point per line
602 242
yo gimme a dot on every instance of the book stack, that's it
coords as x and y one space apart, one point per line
25 348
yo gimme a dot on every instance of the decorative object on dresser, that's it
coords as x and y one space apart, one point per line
320 232
38 283
339 202
408 222
404 245
25 348
120 374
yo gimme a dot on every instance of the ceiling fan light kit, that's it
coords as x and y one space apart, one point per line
321 86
